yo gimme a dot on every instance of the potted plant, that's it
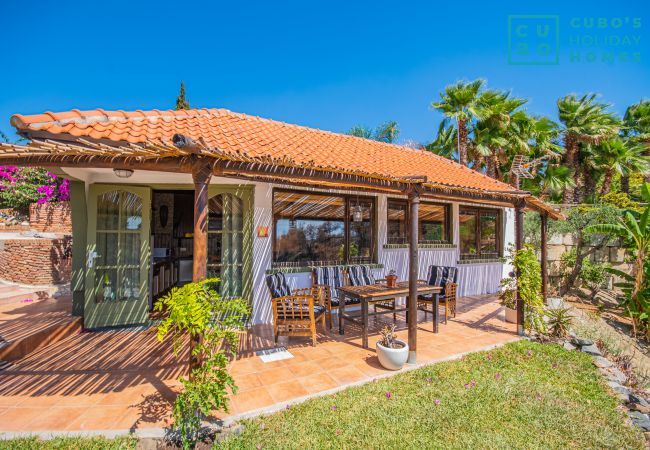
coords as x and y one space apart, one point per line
508 297
392 352
391 279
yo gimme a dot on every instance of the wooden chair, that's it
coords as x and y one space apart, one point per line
361 275
294 313
445 277
328 280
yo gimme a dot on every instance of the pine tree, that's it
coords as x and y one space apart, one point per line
181 101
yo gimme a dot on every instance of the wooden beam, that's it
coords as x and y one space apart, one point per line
414 206
544 256
519 244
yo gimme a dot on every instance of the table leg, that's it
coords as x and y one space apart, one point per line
364 319
435 316
341 312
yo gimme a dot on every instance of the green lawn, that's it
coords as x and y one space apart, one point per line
68 443
523 395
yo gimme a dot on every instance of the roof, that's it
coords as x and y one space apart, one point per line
234 136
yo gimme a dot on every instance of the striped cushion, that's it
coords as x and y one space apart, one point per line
330 276
440 276
277 284
360 275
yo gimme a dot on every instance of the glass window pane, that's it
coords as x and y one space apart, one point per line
309 228
488 235
397 228
106 282
131 212
361 249
108 210
467 228
130 249
106 249
433 223
129 288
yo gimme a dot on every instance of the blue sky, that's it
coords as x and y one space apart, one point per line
328 65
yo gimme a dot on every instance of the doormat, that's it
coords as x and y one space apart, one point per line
274 354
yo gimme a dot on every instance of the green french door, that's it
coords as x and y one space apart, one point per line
118 256
230 240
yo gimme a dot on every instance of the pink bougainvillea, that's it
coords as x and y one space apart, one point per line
20 186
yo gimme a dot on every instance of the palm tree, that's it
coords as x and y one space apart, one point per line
460 102
445 143
497 134
636 128
585 121
386 132
619 157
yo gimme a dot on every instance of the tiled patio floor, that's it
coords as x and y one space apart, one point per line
125 379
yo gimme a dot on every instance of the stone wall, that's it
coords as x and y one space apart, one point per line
36 261
55 217
559 244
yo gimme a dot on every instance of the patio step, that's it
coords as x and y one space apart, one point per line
40 338
10 294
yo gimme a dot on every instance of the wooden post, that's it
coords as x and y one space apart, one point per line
519 244
201 174
414 206
544 263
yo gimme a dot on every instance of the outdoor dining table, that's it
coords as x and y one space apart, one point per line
372 293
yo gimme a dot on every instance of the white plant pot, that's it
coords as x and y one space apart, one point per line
555 302
511 315
392 358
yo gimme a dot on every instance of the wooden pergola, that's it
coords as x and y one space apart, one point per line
186 155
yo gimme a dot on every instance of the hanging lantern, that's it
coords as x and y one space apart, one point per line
357 214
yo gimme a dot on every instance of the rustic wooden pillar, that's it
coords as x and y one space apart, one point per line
414 206
201 174
544 263
519 244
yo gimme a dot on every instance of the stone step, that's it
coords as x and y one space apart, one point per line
41 338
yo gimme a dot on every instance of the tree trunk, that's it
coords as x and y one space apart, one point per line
607 182
570 150
589 184
625 184
462 142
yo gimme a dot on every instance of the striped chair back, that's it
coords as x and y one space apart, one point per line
277 284
360 275
330 276
441 275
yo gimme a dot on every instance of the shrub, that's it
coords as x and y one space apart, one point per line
559 322
528 280
593 275
212 323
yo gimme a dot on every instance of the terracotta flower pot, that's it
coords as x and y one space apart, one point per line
391 280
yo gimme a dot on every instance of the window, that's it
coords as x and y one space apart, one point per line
433 221
480 236
313 228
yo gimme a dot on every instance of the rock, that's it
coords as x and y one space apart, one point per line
637 407
147 444
636 398
622 392
601 362
640 420
615 374
592 350
568 346
582 342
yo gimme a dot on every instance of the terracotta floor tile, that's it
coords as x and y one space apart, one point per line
317 383
253 399
331 363
305 369
347 375
273 376
281 392
246 382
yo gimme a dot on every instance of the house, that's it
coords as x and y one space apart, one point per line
164 197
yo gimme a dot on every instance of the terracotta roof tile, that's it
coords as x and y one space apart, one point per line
256 137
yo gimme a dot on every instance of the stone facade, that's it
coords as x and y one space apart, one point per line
36 261
55 217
